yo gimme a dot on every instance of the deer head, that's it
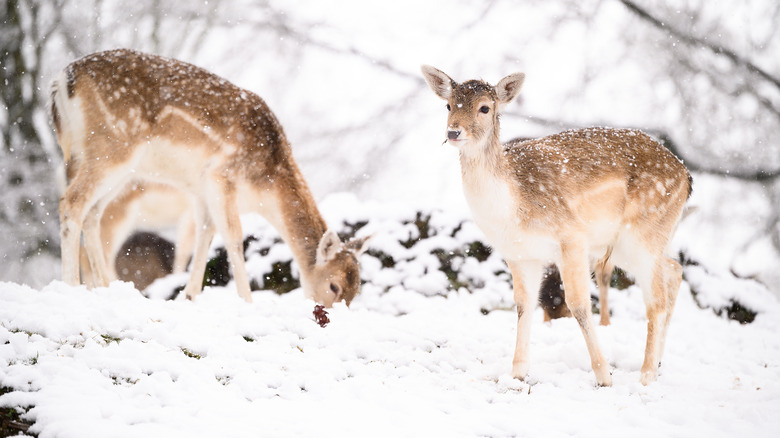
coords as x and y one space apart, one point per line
335 276
473 106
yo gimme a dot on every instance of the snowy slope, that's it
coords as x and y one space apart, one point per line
410 358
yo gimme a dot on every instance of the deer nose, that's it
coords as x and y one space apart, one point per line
453 135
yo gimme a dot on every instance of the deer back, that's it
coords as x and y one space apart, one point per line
125 98
556 175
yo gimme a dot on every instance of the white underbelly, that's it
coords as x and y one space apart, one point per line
495 209
496 213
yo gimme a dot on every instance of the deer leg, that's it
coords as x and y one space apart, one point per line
228 225
665 283
575 272
655 294
80 197
71 222
673 277
93 246
526 277
85 269
204 232
603 276
185 242
99 249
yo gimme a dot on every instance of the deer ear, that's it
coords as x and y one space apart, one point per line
509 87
329 246
358 246
440 83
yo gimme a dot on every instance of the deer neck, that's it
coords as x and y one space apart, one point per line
298 220
481 163
304 228
489 193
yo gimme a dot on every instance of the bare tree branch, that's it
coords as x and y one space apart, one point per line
692 40
281 27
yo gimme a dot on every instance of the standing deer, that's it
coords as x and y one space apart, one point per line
585 197
122 117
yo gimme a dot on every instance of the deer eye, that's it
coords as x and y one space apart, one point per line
449 108
334 288
484 109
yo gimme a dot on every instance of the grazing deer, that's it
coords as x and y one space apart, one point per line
122 117
600 194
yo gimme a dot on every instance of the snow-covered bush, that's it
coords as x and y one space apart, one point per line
437 253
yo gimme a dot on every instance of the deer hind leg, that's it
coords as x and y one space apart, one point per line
204 232
604 270
100 238
228 223
575 271
81 195
672 276
660 285
93 245
71 223
526 277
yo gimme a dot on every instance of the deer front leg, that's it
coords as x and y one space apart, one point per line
603 276
185 242
575 272
204 232
526 276
228 223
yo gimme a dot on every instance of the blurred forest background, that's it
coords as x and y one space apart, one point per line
343 78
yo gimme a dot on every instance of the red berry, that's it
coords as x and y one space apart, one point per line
321 315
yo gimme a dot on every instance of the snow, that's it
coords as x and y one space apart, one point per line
411 357
344 80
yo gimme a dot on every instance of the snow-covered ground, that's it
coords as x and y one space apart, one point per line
409 358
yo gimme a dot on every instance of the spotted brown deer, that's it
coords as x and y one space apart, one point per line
580 198
122 117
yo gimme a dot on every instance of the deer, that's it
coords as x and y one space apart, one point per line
125 117
580 198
